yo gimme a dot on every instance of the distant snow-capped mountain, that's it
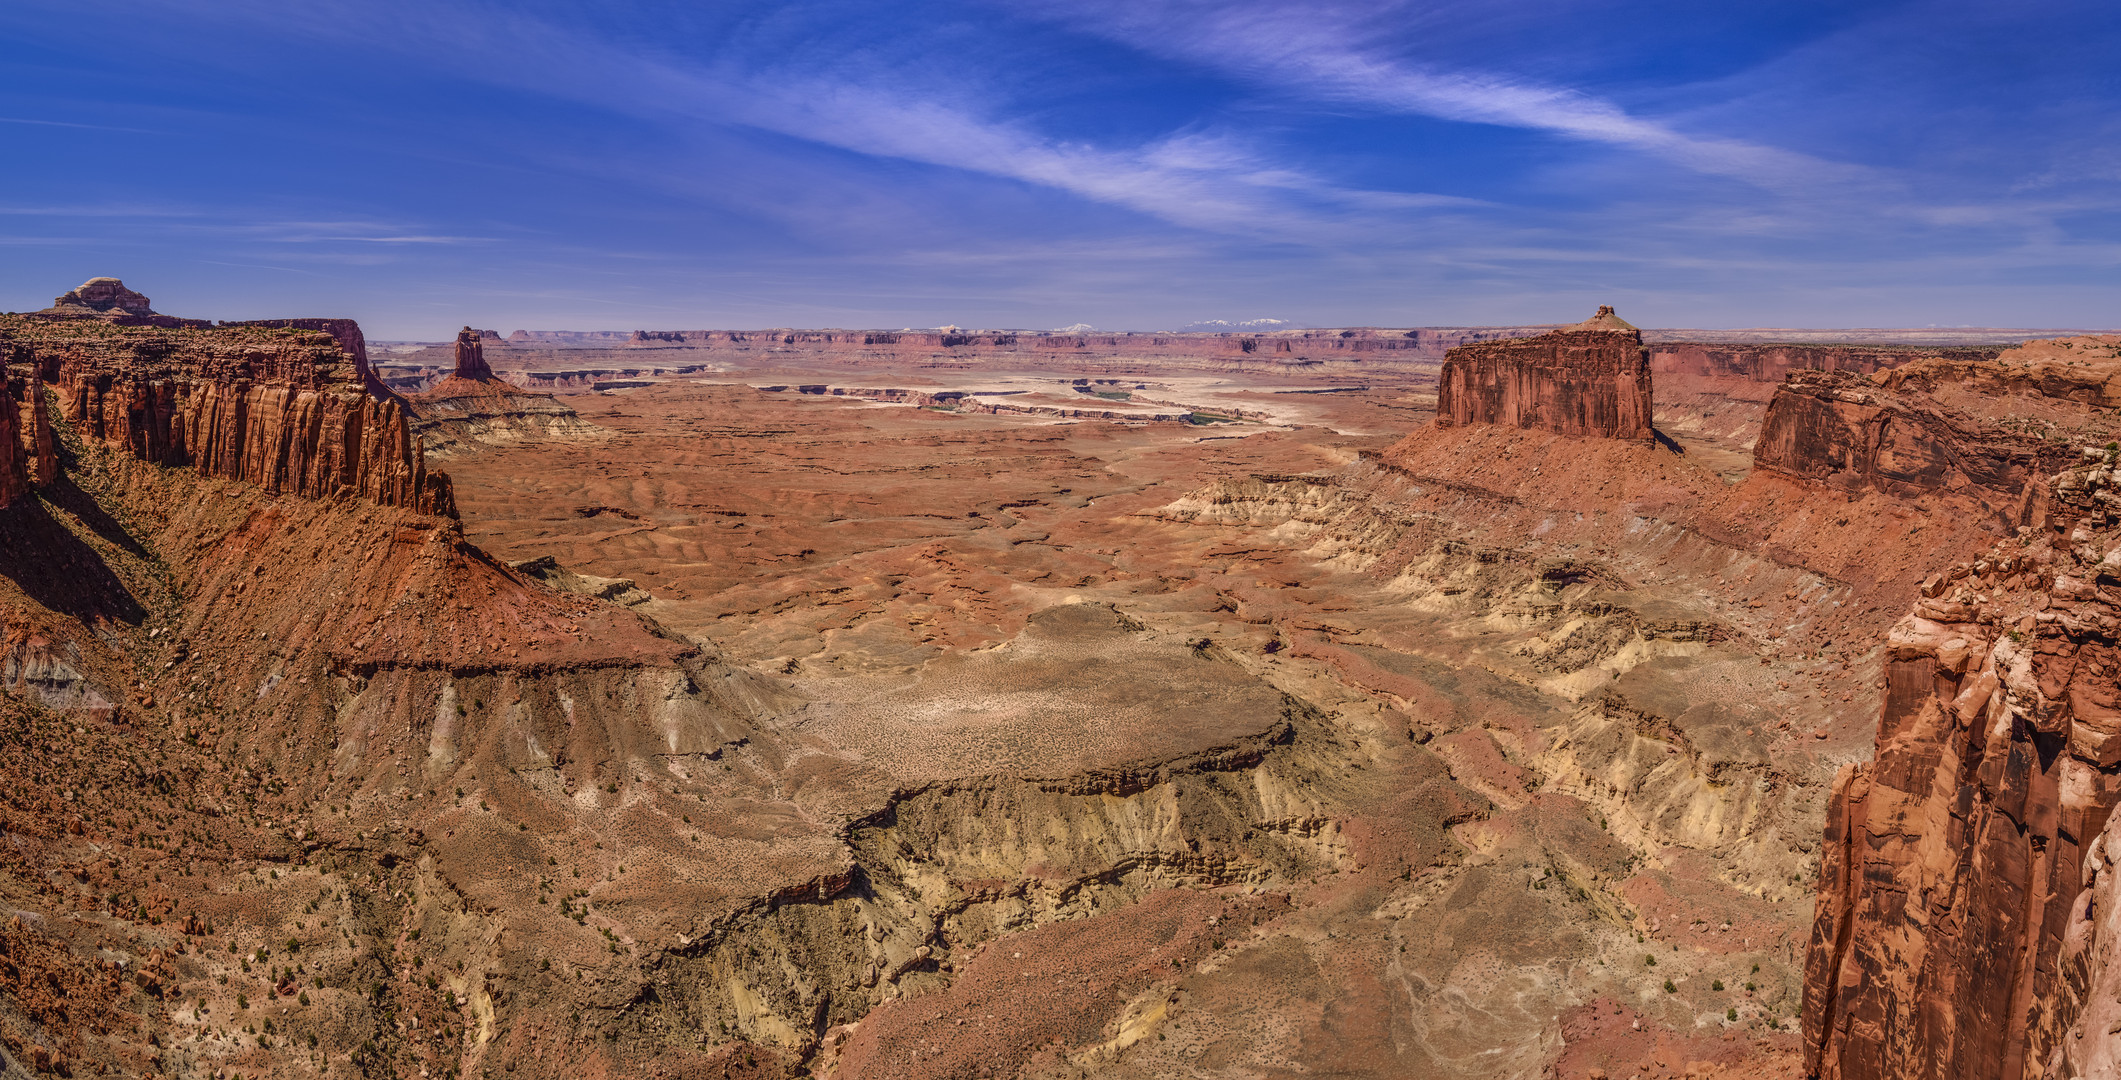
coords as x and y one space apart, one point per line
1078 328
1225 326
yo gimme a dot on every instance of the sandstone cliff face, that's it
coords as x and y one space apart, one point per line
1992 429
344 331
1589 379
1955 860
1853 433
2091 969
287 410
28 454
1774 363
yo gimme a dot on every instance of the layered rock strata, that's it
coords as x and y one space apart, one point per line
107 300
1955 860
285 409
1766 363
103 294
1989 428
1592 378
344 331
1845 431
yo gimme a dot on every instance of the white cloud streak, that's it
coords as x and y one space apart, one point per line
1313 50
1216 182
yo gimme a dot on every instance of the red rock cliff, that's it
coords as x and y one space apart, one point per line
1774 363
1949 936
344 331
285 409
1592 378
1981 427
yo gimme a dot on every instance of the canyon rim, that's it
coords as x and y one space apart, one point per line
1573 701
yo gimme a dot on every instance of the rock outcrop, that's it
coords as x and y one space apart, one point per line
102 295
1954 934
29 455
473 405
286 409
1592 379
107 300
471 356
1954 860
1989 428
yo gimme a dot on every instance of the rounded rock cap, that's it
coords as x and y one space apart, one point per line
1605 320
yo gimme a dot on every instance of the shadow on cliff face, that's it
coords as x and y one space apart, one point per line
60 570
65 495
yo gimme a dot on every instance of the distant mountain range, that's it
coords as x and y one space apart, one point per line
1225 326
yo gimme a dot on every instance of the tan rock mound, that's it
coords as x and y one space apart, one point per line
103 294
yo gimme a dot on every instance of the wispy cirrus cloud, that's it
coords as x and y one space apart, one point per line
1211 181
1200 178
78 126
1333 55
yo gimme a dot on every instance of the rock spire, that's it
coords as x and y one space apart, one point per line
471 356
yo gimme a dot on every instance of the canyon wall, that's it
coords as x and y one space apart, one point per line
1774 363
1589 379
345 331
1851 433
1953 934
283 408
1991 428
1953 859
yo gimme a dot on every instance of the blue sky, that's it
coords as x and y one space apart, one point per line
1126 163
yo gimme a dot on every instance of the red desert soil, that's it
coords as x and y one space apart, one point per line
903 708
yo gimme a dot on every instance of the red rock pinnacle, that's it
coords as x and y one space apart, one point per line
471 357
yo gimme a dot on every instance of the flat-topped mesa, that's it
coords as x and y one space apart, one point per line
471 356
287 409
1591 379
